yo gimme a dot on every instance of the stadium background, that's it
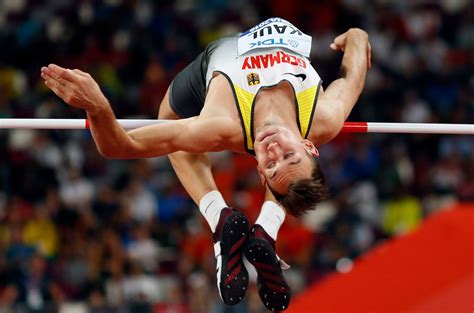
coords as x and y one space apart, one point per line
123 236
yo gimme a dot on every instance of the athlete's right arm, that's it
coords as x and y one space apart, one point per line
78 89
337 101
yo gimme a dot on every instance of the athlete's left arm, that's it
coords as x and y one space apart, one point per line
80 90
336 102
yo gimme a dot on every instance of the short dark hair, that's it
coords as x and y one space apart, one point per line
303 195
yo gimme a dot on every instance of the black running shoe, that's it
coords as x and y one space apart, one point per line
232 276
272 287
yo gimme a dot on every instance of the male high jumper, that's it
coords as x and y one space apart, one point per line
255 93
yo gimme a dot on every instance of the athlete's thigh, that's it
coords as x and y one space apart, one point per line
193 170
166 112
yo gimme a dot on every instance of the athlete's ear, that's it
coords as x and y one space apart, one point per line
310 148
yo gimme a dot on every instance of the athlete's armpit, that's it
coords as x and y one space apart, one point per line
328 120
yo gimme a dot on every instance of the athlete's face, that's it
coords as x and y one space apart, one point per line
282 157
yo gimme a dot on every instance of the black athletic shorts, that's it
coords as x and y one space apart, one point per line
188 89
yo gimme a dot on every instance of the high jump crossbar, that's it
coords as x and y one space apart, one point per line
349 127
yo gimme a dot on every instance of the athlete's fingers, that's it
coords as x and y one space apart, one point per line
63 89
45 70
48 78
47 73
63 73
81 73
56 87
53 81
341 40
336 47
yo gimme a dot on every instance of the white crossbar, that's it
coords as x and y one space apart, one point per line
349 127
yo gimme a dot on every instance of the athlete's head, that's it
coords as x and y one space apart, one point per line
288 165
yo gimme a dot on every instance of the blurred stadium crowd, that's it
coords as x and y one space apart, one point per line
77 230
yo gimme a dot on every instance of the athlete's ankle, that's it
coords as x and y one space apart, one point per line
211 206
271 218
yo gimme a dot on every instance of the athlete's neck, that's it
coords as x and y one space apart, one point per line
275 105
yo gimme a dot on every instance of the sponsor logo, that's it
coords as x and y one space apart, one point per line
253 79
302 76
279 29
293 43
269 60
268 42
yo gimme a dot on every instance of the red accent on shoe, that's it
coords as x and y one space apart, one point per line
223 216
277 288
271 276
237 245
259 232
233 261
263 266
232 275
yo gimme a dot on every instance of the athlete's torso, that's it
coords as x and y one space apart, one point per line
272 52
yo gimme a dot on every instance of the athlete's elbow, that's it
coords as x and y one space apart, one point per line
116 153
110 153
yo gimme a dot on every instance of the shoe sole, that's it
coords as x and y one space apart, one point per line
273 288
234 277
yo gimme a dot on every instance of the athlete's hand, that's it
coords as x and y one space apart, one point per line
75 87
357 36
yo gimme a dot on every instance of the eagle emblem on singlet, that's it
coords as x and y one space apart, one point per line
253 79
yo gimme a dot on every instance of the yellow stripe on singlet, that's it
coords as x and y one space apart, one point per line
306 101
244 101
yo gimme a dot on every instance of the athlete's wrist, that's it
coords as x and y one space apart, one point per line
99 110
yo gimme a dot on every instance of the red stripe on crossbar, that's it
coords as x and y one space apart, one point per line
87 124
355 127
